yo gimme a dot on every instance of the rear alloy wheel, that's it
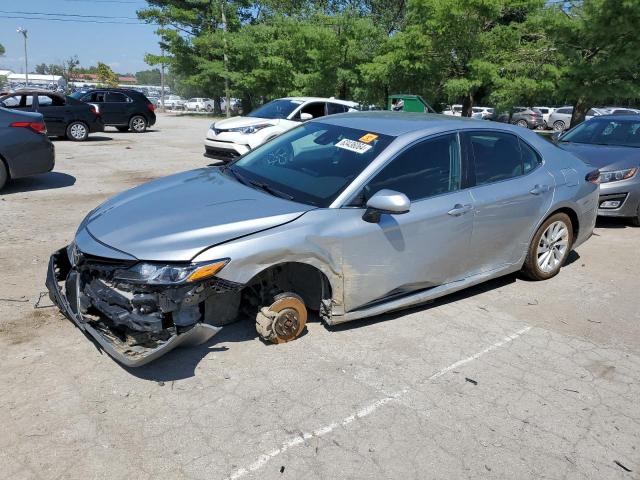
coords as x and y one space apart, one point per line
122 129
549 248
77 132
284 320
4 175
559 126
138 124
522 123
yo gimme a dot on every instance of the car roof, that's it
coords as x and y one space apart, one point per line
320 99
401 123
630 117
35 91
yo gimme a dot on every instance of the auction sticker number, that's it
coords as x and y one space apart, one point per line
353 146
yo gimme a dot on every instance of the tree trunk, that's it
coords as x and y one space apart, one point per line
467 105
580 109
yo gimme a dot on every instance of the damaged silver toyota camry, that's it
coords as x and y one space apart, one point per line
349 216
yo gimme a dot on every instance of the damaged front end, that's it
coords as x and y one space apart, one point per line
138 311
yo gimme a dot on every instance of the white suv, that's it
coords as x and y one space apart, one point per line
232 137
198 104
174 102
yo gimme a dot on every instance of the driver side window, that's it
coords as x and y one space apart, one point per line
315 109
432 167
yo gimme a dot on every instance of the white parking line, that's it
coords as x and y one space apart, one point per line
363 412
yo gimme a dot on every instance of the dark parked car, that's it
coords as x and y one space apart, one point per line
523 117
610 143
64 116
122 108
24 147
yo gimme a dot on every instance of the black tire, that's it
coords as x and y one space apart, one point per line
4 175
531 267
635 221
122 129
559 126
138 124
77 131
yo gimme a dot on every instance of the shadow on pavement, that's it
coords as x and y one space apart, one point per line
45 181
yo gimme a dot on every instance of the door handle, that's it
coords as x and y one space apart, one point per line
538 189
459 209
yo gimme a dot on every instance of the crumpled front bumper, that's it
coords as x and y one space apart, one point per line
59 270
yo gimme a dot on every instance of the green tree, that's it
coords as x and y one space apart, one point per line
106 76
148 77
601 52
2 50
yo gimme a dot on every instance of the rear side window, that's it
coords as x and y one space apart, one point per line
115 97
97 97
336 108
47 101
429 168
530 158
496 155
565 111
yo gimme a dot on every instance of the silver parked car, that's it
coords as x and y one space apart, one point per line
612 144
560 119
348 215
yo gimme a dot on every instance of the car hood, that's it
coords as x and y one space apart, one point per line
604 157
174 218
238 122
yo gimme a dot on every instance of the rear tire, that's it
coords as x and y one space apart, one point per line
559 126
77 132
550 248
635 221
138 124
4 175
122 129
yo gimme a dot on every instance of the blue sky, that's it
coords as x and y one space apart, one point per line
121 46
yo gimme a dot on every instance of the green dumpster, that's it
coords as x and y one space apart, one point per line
408 103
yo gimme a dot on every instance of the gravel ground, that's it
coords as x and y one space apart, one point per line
511 379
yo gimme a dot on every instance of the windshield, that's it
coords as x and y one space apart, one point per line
276 109
311 164
624 133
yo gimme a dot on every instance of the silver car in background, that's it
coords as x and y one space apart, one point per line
349 216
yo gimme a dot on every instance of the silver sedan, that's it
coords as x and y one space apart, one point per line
349 216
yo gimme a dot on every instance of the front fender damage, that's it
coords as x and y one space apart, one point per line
135 324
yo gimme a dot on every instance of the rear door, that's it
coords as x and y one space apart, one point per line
511 192
417 250
118 109
55 112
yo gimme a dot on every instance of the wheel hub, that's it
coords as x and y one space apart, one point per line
286 324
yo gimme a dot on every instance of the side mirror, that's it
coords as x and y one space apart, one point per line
386 201
304 116
555 136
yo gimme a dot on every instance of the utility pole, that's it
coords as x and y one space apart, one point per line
26 62
227 100
162 81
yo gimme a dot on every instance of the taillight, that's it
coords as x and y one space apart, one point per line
37 127
151 107
593 177
95 111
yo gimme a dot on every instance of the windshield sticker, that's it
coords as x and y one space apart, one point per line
368 138
353 146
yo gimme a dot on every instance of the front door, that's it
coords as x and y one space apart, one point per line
417 250
512 192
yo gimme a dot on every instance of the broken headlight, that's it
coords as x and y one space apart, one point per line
163 274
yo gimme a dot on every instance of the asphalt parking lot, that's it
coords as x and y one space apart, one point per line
511 379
